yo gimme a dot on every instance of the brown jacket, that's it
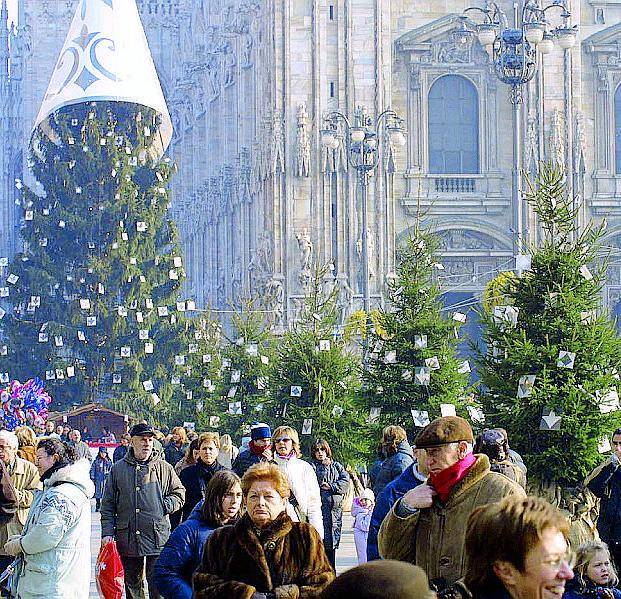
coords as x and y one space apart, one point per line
433 538
289 560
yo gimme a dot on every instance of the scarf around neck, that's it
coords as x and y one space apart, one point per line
444 481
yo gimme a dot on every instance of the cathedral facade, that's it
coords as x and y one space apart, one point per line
258 198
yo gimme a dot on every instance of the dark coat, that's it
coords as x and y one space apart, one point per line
332 501
99 471
181 557
195 479
393 466
119 453
392 492
288 559
138 497
244 460
172 453
605 482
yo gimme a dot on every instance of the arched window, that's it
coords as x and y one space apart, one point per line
453 126
618 130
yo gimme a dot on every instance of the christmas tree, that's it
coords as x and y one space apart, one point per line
413 366
549 373
316 379
92 300
240 396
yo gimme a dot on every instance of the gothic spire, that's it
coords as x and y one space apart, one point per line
4 40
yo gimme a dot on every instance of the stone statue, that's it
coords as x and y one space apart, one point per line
303 155
344 301
556 147
228 64
277 145
275 301
305 246
371 253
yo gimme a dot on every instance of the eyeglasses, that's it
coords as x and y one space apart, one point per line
282 440
556 563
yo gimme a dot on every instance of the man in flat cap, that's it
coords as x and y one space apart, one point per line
141 492
427 527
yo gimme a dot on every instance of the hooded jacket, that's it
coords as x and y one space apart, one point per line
181 556
605 483
434 538
393 466
138 497
57 536
392 492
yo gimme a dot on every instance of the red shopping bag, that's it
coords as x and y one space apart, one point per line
110 575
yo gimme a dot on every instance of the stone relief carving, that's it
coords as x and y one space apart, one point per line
556 143
303 149
261 261
532 145
462 239
370 251
580 137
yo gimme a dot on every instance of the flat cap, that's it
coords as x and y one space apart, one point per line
140 430
447 429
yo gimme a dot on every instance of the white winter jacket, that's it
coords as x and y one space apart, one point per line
305 488
56 537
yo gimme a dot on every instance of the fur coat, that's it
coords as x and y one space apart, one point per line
287 558
434 538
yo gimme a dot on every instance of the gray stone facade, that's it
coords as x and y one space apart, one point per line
257 198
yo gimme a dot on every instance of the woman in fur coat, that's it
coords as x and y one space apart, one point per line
265 554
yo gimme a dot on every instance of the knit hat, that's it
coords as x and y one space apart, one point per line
380 579
444 430
260 431
368 494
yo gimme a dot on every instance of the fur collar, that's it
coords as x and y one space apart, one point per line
477 471
269 539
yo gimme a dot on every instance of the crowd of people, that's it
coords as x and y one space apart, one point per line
191 515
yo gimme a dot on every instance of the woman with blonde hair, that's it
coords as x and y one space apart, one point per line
595 574
27 443
175 449
228 451
305 499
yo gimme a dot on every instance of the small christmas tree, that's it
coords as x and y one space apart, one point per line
316 378
549 373
413 367
92 299
241 396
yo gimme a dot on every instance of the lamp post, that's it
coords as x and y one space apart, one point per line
361 137
514 53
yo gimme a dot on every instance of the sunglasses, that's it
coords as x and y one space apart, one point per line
283 439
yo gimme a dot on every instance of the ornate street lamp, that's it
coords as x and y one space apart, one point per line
362 147
514 55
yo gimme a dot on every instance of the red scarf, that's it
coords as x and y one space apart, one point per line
255 448
444 481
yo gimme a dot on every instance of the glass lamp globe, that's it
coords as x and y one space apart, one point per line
534 34
357 134
566 38
486 35
327 138
546 45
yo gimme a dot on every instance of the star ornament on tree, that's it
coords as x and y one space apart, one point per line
550 420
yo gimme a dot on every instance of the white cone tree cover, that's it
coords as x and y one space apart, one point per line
106 57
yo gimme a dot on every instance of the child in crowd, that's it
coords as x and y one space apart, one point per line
595 575
361 510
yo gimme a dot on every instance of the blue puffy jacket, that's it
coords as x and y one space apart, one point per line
579 589
393 466
181 556
393 491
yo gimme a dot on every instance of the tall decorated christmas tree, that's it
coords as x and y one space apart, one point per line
316 378
92 302
414 373
550 373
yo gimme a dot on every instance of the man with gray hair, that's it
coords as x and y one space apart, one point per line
25 478
81 448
